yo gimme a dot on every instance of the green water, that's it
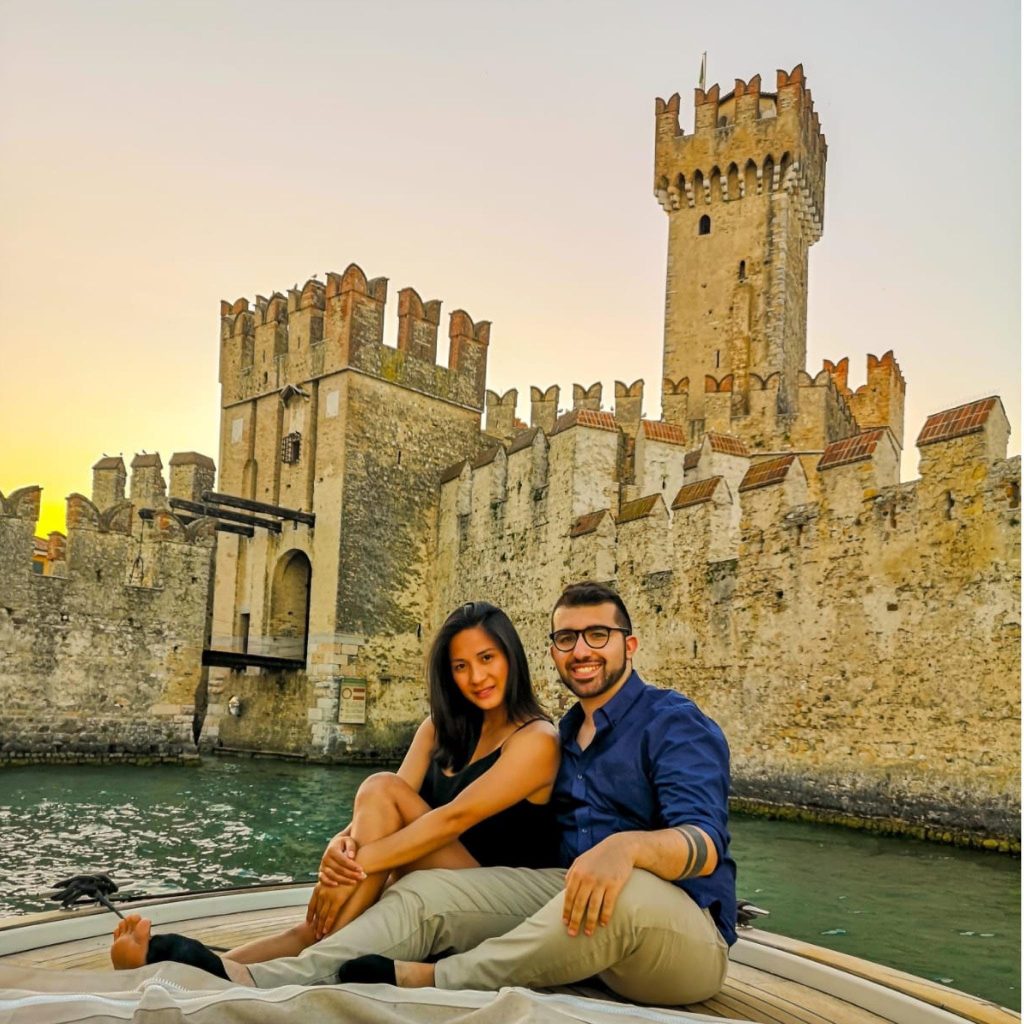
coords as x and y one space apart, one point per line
938 912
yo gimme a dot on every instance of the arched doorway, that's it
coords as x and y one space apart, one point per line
288 625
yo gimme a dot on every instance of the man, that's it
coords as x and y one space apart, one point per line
648 900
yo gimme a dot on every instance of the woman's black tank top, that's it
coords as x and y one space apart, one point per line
524 835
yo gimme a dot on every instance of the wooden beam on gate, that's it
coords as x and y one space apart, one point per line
220 513
242 531
238 660
216 498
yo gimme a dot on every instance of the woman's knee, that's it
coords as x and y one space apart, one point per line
382 785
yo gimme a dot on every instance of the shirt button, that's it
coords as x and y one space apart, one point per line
583 830
580 777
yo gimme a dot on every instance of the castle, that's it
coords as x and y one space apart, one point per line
857 637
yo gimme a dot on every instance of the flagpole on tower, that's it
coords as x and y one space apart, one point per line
703 70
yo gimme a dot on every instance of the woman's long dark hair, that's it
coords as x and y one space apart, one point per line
457 722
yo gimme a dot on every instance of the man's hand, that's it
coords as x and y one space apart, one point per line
325 905
338 865
593 884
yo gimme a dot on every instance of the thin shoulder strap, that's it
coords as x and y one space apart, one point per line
538 718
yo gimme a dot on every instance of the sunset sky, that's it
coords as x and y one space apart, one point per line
158 157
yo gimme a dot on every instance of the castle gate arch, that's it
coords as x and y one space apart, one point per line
288 625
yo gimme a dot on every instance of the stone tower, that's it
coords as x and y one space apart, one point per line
745 197
332 445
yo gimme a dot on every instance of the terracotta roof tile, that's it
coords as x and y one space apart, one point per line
656 430
958 422
690 459
696 493
522 440
638 509
772 471
587 523
110 462
584 418
452 472
727 444
486 457
851 449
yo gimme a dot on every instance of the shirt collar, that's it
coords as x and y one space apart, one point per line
612 712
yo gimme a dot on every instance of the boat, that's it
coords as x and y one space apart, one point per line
772 979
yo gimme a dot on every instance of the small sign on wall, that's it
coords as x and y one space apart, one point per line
352 706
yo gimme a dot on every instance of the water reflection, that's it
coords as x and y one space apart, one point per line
162 830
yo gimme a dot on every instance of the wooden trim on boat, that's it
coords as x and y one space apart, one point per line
951 1000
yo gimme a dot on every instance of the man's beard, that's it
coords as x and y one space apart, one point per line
601 682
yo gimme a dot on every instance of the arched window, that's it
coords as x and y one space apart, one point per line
743 270
705 225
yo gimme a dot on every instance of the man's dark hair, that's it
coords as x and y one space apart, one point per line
457 722
578 595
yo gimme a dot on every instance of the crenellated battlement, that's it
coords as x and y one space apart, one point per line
109 513
102 631
745 144
584 455
879 402
327 327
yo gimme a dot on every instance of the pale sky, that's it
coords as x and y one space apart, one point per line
156 157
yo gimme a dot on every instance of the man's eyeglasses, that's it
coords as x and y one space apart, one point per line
595 637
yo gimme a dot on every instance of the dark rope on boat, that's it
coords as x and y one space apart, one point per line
93 888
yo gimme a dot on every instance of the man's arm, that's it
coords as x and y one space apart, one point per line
593 883
685 851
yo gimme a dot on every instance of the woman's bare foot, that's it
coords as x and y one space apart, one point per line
131 942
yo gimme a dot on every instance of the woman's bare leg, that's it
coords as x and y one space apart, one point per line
291 942
381 809
383 805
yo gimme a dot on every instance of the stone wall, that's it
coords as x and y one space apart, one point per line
857 638
101 658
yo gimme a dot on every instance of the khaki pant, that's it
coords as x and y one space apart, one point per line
505 926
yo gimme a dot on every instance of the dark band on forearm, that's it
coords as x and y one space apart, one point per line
697 851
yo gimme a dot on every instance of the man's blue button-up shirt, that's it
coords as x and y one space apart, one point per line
656 761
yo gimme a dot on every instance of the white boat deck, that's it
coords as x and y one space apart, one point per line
772 979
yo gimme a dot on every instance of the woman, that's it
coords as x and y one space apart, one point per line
472 790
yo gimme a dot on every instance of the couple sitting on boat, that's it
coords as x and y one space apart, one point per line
600 848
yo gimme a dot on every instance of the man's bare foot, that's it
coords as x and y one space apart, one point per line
131 942
413 975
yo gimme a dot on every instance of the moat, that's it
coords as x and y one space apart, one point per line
935 911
